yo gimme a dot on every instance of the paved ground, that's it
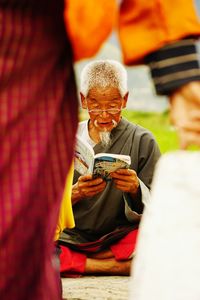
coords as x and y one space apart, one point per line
98 288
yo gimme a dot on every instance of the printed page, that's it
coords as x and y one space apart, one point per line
105 163
84 157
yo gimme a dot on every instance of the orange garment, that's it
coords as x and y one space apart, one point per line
146 26
88 24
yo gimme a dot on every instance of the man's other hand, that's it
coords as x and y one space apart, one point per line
126 180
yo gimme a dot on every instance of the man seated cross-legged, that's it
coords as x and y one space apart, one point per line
115 206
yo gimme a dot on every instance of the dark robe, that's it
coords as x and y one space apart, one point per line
99 215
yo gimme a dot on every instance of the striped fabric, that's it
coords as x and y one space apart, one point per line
174 65
38 117
76 240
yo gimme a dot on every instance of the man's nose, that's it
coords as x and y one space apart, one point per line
104 113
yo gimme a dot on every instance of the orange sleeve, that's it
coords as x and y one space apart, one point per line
146 26
88 24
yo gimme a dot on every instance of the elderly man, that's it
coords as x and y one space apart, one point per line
116 206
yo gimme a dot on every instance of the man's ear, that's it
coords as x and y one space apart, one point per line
124 101
83 101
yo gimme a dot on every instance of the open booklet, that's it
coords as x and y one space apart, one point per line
101 164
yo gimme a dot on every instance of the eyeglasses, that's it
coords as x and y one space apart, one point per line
111 111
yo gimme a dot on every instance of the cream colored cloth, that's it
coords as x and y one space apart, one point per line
167 262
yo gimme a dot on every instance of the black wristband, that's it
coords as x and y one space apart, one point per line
174 65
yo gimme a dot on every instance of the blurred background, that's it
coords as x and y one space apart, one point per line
144 107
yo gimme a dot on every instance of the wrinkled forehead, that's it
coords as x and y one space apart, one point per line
104 94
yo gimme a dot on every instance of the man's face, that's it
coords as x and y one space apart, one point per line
104 106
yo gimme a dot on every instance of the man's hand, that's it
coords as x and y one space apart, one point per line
126 181
185 113
86 186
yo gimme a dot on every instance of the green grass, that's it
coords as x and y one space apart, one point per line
157 123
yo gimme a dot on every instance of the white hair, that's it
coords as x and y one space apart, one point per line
103 73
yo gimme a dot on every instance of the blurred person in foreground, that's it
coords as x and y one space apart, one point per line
164 35
38 120
106 208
